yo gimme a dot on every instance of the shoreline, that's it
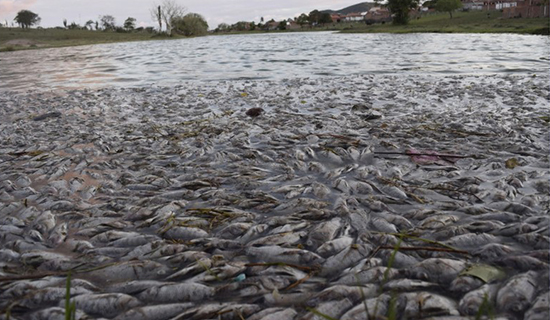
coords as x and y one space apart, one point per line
463 22
174 200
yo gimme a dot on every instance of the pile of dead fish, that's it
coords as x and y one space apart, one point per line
363 197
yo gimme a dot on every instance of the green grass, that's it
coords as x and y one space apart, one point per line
51 38
463 22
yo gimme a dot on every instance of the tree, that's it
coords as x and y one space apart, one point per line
223 27
89 24
325 18
192 24
107 22
65 23
302 19
314 17
26 18
96 25
282 25
130 24
400 10
169 11
448 6
156 15
74 26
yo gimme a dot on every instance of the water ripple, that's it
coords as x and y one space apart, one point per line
272 56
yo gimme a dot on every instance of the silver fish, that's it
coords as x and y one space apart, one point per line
177 292
106 305
472 301
369 309
438 270
332 247
275 314
518 292
323 232
539 310
279 254
345 258
425 304
157 312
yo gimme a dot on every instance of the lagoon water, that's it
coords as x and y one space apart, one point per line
271 56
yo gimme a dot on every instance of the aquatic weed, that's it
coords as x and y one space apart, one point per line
70 307
486 308
320 314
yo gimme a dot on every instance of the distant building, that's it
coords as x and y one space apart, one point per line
527 9
472 5
377 15
336 17
355 16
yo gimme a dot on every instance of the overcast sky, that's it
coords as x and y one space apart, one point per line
53 12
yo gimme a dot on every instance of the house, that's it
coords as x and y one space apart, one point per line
336 17
355 16
500 4
472 5
527 9
293 25
271 25
377 15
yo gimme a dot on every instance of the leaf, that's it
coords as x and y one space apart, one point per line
244 94
512 163
484 272
303 102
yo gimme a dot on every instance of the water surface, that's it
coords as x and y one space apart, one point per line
271 56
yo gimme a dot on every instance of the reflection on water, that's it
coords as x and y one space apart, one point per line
271 56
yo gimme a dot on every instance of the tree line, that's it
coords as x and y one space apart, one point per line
168 13
399 9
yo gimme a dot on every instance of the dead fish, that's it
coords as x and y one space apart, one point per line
533 239
279 254
382 225
371 275
333 309
518 292
55 313
539 310
285 239
484 226
323 232
523 263
275 314
409 285
472 301
286 299
373 308
438 270
157 312
465 283
177 292
332 247
184 233
354 293
493 251
345 258
48 296
471 240
105 304
221 311
425 304
131 270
